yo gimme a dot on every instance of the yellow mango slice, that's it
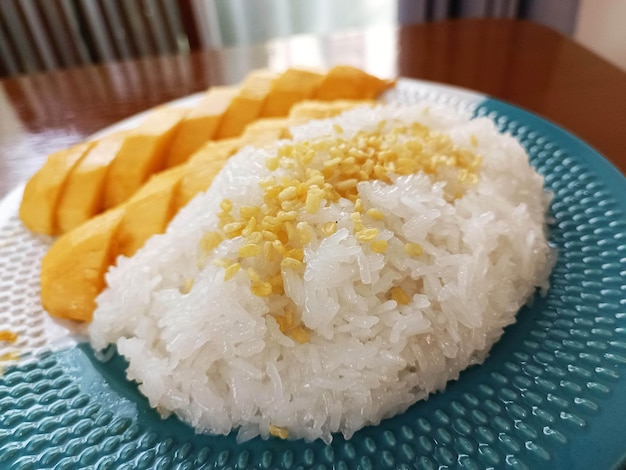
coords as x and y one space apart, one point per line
143 153
148 211
200 124
265 131
72 271
268 130
313 109
294 85
203 166
44 190
247 105
350 83
84 191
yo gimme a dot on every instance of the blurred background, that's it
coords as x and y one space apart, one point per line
39 35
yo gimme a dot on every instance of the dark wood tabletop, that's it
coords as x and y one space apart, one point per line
520 62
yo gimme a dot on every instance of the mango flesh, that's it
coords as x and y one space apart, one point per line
246 106
84 190
202 168
44 190
142 154
293 85
311 109
268 130
148 211
201 124
72 271
350 83
265 131
207 162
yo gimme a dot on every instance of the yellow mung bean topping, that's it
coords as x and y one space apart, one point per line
272 231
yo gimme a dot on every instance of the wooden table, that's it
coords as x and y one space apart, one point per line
520 62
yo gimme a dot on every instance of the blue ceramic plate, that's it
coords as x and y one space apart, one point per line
552 394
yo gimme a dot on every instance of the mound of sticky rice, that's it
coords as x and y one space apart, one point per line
333 280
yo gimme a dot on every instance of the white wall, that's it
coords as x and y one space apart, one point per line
602 28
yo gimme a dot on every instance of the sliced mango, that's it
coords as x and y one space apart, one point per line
247 105
143 153
202 168
265 131
349 83
148 211
44 190
295 84
84 190
72 271
313 109
74 268
200 124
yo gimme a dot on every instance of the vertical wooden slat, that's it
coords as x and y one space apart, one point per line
522 9
119 29
109 29
454 8
145 21
137 28
81 29
41 39
440 10
8 60
49 32
53 17
169 29
79 37
429 10
190 20
474 9
510 10
496 8
29 36
157 27
503 8
102 41
182 40
70 26
27 56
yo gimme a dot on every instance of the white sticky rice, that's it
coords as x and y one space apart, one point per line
216 357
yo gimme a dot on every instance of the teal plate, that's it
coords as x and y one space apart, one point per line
552 393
